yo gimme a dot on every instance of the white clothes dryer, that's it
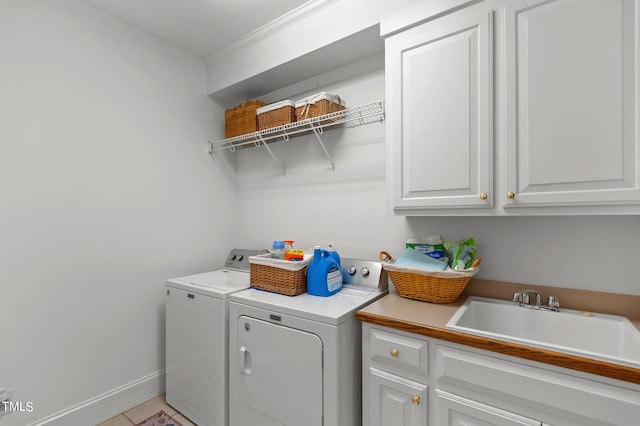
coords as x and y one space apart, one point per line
197 316
297 360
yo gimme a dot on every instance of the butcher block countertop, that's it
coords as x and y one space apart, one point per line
429 319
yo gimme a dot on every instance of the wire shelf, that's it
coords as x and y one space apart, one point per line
349 117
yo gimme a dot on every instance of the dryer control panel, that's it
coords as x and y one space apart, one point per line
238 259
364 275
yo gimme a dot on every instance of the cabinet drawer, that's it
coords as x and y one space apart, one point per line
454 410
564 395
399 350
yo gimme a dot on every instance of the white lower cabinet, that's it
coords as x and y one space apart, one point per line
454 410
399 401
409 379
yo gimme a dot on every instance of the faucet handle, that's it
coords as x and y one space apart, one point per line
553 302
523 297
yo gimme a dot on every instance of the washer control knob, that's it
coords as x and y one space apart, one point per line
351 270
240 257
364 272
233 257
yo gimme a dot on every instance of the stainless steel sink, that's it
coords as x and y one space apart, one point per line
608 338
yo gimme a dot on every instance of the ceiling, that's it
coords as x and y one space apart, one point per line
202 27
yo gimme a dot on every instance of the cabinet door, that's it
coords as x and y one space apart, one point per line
572 102
454 410
395 401
439 112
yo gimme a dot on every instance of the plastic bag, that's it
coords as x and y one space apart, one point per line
461 254
431 246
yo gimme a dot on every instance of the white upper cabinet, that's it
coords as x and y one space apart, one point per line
549 124
439 119
572 102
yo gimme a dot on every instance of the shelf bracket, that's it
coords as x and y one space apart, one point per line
316 132
260 141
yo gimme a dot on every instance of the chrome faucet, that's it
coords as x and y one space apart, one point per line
523 299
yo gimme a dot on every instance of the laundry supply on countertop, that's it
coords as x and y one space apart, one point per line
461 254
432 246
293 254
284 250
458 255
413 258
324 275
277 250
333 253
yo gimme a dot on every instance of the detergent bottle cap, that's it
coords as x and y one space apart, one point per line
333 253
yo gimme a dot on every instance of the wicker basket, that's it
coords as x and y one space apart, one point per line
317 105
278 276
241 119
428 286
276 114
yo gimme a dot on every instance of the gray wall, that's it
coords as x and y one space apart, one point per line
106 190
313 205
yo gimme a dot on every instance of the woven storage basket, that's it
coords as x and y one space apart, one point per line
317 105
241 119
428 286
278 276
276 114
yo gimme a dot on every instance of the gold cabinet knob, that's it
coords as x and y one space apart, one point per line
416 400
484 196
394 353
511 195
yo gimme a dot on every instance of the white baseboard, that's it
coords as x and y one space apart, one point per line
109 404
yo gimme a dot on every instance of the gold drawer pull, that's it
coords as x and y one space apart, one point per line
394 353
416 400
484 196
511 195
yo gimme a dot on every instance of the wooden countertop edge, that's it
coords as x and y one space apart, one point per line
586 365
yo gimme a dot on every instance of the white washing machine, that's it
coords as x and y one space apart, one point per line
297 360
197 316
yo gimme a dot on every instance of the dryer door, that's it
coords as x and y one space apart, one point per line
279 375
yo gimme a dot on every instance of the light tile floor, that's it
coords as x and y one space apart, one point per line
145 410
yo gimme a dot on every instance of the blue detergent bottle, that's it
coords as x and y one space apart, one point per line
324 275
333 253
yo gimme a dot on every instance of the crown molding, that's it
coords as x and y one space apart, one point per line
278 24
